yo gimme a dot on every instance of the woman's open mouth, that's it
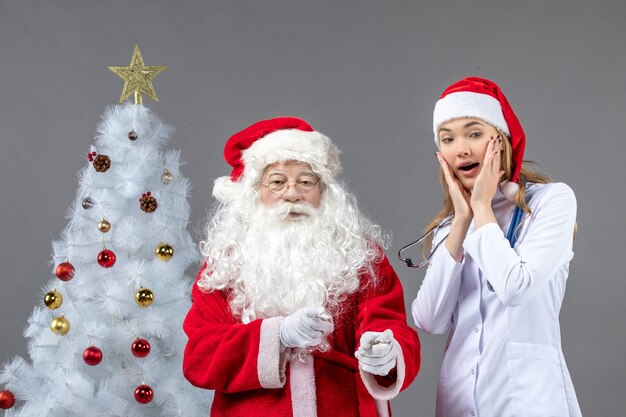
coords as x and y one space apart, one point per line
469 168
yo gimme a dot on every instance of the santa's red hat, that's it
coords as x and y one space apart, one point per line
269 141
482 99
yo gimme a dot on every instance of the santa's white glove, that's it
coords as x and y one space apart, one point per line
306 327
377 354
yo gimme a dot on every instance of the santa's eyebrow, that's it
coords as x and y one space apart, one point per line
276 172
307 172
301 173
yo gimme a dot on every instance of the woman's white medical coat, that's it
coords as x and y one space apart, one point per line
503 357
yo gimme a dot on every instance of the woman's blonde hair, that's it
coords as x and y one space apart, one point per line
506 161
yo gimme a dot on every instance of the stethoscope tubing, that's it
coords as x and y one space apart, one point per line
511 236
409 261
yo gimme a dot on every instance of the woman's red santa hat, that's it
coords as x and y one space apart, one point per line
266 142
482 99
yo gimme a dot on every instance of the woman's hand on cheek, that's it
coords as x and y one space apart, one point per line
459 195
486 185
462 211
488 179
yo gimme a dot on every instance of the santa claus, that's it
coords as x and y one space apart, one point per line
297 311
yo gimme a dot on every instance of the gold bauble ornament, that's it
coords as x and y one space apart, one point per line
53 299
164 252
167 177
104 226
144 297
60 326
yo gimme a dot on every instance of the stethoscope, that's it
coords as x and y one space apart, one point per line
409 261
511 236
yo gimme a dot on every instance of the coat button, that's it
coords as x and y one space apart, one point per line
476 329
475 287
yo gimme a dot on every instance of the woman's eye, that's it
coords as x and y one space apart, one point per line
446 140
475 134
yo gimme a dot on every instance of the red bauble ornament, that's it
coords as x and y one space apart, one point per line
140 348
7 399
92 356
144 394
64 271
106 258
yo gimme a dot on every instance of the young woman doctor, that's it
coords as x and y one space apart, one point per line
497 283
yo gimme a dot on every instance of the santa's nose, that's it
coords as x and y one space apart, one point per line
291 193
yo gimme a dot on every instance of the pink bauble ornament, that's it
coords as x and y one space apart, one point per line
144 394
92 356
106 258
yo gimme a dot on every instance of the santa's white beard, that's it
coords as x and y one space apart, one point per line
272 263
290 260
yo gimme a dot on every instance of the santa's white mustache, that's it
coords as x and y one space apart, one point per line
286 210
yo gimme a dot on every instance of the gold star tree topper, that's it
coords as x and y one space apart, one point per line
138 78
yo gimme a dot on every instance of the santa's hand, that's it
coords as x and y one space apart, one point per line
306 327
377 354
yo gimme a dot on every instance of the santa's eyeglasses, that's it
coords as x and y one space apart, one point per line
302 185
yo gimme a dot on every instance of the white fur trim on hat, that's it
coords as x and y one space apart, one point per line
312 148
225 189
284 145
468 104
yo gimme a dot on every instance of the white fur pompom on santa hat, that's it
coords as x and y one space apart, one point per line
475 97
266 142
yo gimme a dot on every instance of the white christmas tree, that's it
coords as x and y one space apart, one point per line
108 339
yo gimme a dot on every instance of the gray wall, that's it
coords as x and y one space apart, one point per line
367 73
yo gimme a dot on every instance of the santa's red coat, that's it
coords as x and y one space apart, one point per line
242 362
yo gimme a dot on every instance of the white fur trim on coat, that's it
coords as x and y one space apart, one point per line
382 408
302 384
270 363
386 393
468 104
